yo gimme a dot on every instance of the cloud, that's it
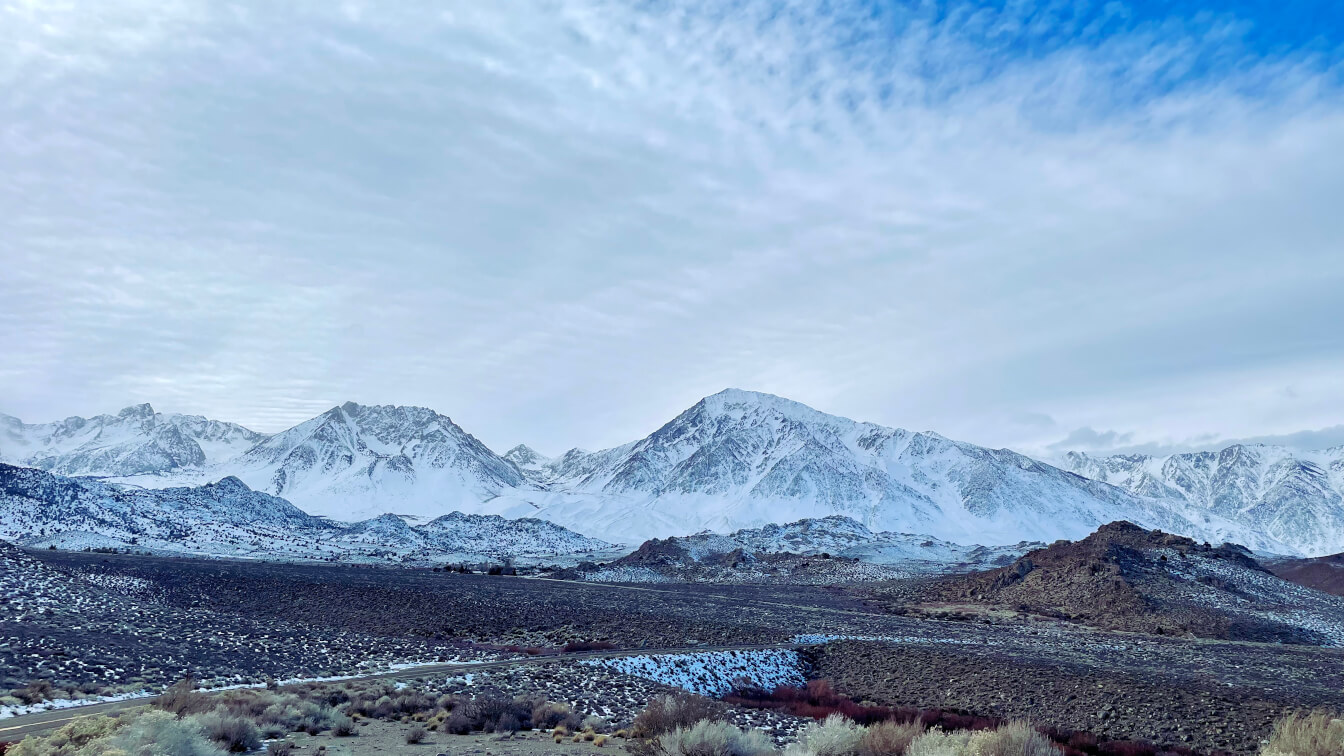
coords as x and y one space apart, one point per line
561 223
1109 443
1088 439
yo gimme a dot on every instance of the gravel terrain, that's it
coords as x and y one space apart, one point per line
154 618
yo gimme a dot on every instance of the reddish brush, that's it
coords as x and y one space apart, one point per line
580 646
819 700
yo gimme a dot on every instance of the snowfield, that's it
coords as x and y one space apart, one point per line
714 673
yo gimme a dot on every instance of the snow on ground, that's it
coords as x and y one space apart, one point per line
714 673
69 703
1232 588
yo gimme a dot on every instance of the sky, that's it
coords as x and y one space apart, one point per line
1046 226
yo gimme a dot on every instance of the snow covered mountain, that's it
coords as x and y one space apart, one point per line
356 461
229 519
135 441
741 459
735 460
526 459
1296 498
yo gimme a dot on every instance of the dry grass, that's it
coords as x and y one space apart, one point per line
1315 734
889 738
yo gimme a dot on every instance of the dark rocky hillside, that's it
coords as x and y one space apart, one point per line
1123 577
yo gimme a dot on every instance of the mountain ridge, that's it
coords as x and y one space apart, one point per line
735 459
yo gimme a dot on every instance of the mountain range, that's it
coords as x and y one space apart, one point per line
734 460
226 518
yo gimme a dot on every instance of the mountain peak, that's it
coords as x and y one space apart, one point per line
525 456
137 411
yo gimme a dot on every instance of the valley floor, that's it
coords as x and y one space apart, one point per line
228 621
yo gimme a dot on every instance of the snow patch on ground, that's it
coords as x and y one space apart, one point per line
714 673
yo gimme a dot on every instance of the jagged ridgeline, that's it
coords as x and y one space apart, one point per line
734 460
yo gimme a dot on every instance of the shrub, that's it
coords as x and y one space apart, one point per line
416 734
600 740
233 733
160 733
596 723
508 723
834 736
282 748
709 738
889 738
1315 734
667 713
1012 739
457 724
182 698
343 726
36 691
937 742
581 646
547 714
68 738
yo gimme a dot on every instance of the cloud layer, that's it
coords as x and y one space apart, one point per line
562 222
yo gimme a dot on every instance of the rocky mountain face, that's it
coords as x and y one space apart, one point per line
227 518
135 441
1124 577
1295 498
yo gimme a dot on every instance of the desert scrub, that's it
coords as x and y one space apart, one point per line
182 698
833 736
343 726
233 733
71 738
1315 734
143 733
937 742
667 713
416 734
888 738
706 738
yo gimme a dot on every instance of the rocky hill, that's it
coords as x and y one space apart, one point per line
1124 577
831 549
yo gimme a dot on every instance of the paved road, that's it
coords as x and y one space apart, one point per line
13 729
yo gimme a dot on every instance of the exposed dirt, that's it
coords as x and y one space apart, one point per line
1324 574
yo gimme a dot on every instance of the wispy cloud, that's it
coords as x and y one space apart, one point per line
562 221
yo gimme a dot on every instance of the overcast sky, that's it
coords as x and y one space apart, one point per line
1089 225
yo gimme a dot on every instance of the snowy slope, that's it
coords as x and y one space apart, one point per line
736 460
135 441
358 461
741 459
229 519
1294 497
